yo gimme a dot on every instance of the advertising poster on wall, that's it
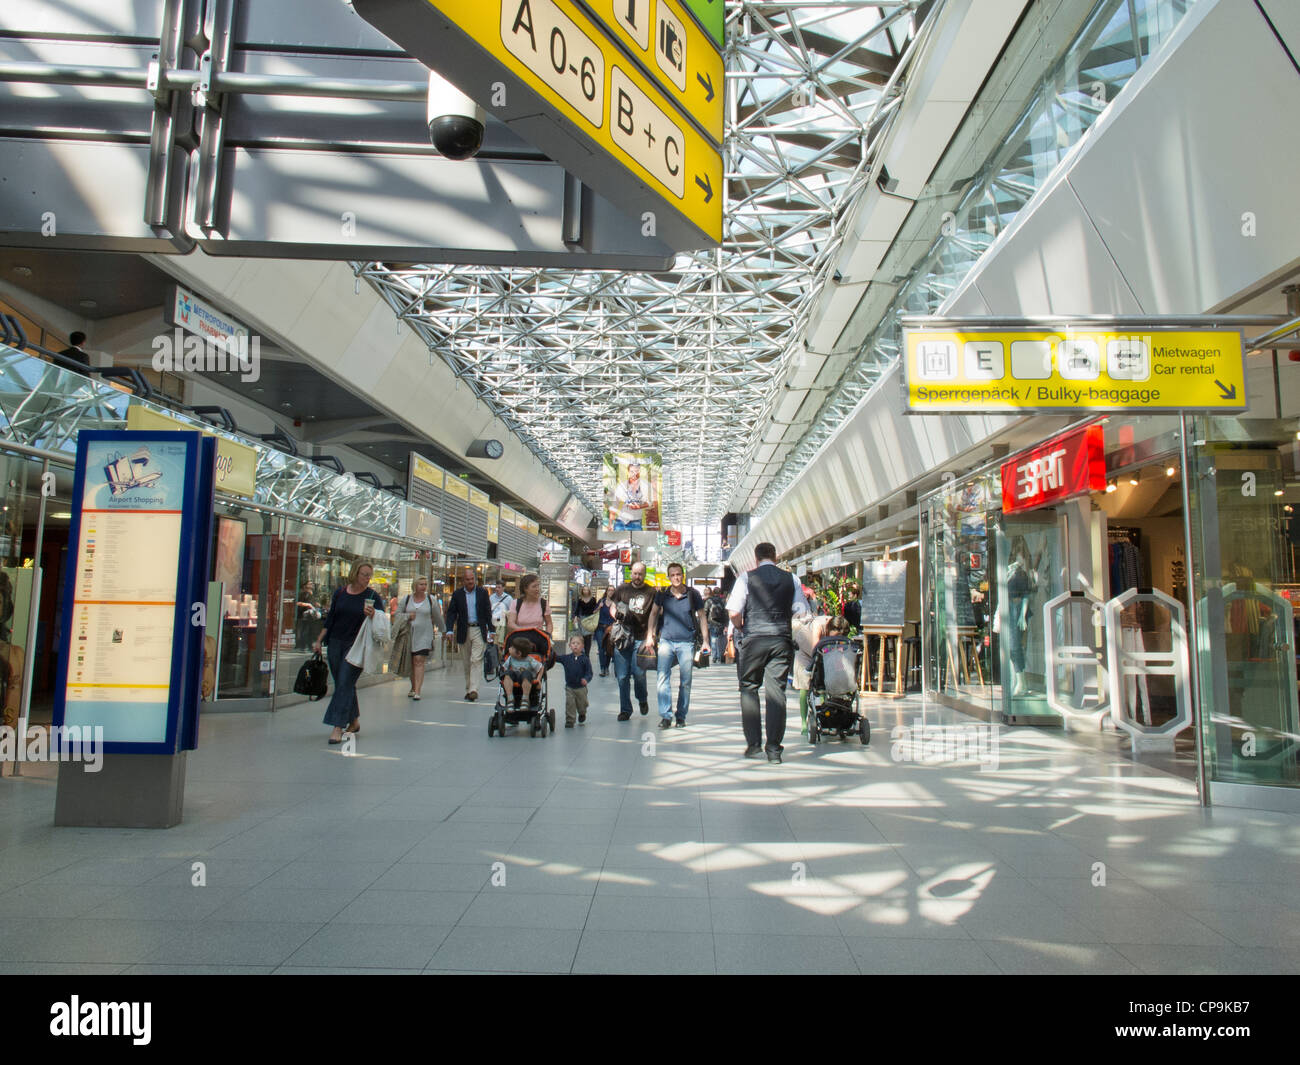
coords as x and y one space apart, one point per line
633 485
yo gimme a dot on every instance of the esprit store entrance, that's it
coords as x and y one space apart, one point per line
1092 581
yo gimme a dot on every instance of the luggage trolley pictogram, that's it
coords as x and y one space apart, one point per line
1078 703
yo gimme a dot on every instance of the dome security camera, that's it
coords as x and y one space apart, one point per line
456 122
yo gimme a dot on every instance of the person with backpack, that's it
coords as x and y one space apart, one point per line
633 602
715 613
530 610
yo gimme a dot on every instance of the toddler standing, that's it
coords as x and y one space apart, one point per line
577 674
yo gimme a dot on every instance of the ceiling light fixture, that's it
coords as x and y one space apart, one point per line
1110 487
1133 479
1170 471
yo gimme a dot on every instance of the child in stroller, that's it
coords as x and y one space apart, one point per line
833 691
523 685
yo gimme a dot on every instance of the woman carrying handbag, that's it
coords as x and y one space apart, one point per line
352 606
425 618
586 617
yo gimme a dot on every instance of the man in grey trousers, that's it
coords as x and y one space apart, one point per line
764 602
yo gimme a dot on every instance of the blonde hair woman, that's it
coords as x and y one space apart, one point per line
426 620
351 606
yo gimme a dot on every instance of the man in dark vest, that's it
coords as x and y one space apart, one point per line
763 603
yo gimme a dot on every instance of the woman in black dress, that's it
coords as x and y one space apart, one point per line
348 611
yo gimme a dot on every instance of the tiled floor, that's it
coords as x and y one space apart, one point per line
616 848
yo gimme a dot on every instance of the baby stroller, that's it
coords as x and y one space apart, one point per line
538 712
833 694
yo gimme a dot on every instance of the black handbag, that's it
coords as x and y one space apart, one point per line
313 678
491 662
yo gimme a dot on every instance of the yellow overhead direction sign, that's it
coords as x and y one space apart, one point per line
1093 369
674 51
570 84
567 58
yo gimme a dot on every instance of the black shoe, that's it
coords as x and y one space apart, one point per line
568 724
625 717
665 722
681 724
753 750
604 672
645 709
774 754
582 719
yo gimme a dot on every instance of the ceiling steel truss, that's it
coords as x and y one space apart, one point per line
691 362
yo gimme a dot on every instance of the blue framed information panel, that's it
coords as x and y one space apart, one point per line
131 660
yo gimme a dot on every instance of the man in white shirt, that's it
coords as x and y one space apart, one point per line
501 601
762 604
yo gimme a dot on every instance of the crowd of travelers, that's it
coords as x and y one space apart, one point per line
767 626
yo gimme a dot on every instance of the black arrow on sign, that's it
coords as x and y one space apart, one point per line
707 186
1225 391
707 82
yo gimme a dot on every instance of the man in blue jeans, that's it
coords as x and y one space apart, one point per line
677 616
634 603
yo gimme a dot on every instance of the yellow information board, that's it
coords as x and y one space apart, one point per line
675 52
426 471
236 472
456 487
569 60
1097 369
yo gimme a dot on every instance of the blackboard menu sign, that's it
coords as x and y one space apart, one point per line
965 607
884 595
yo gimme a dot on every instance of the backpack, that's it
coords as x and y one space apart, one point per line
717 615
313 678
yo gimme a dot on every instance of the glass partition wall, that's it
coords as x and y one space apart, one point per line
1245 491
960 591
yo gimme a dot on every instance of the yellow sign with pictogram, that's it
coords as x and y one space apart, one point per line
588 103
1103 370
674 51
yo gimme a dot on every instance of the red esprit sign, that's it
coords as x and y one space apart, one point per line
1065 466
674 538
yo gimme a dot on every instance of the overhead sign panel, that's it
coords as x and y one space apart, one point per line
1097 369
674 52
554 73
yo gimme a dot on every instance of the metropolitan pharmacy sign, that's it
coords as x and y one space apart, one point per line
1093 369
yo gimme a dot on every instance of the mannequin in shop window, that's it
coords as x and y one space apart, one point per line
1022 581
